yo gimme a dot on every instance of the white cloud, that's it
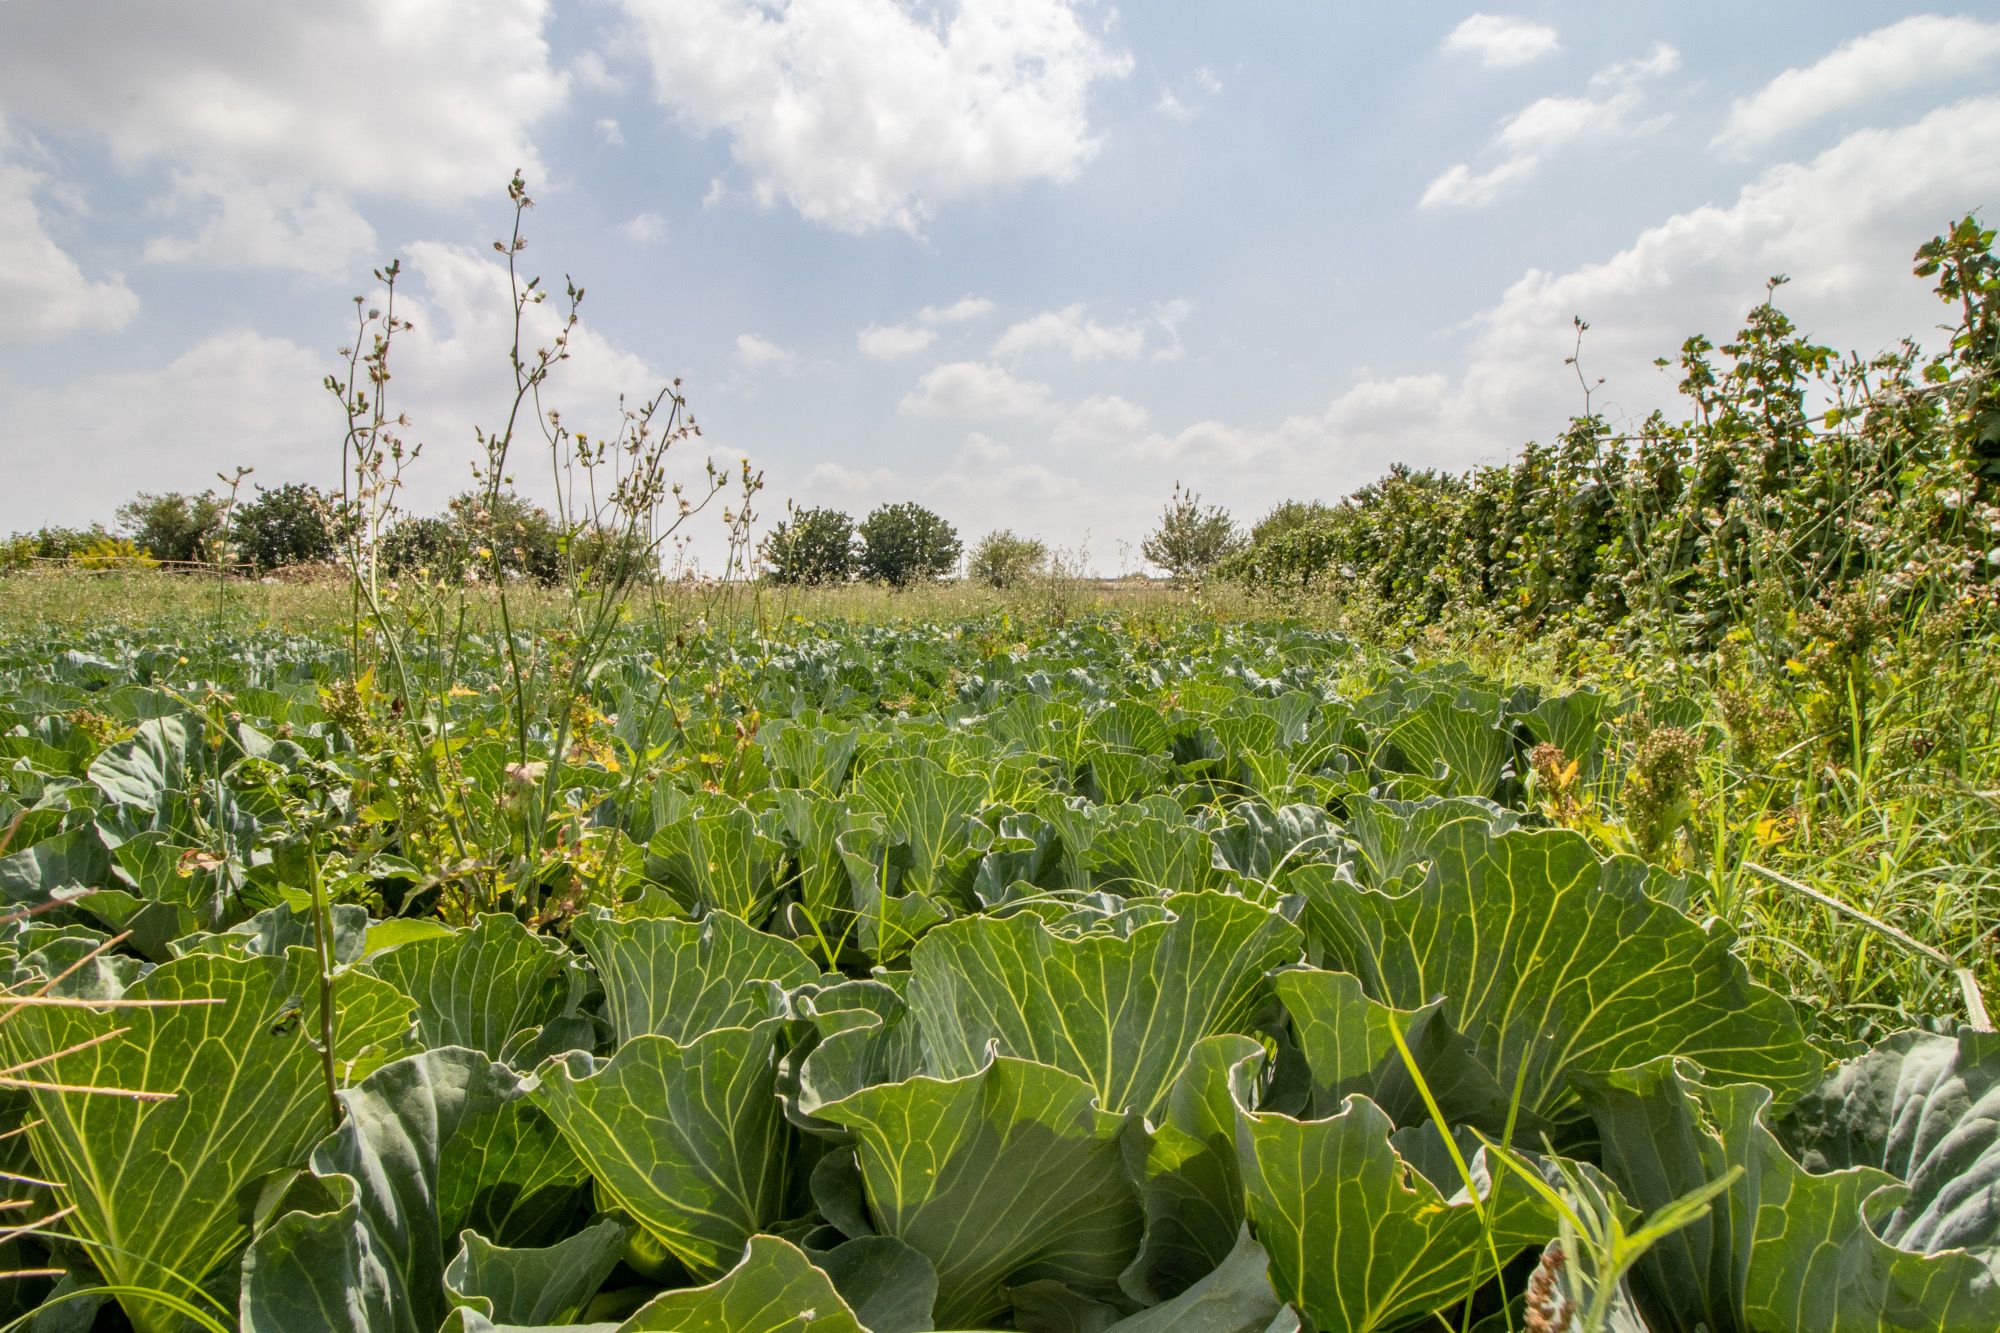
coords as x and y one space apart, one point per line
973 389
1099 422
1070 330
1183 106
262 403
236 94
753 351
1928 50
277 224
1662 60
983 451
1460 186
863 114
1500 41
964 309
645 228
1525 139
609 131
42 289
886 342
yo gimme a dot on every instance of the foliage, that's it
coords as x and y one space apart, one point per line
174 526
906 543
1165 950
284 525
1749 513
1191 540
811 546
503 529
114 553
1004 560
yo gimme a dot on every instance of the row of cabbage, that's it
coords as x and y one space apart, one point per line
1204 982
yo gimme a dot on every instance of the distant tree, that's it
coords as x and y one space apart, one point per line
811 546
1191 539
1291 546
1003 560
173 526
520 531
906 543
284 525
424 542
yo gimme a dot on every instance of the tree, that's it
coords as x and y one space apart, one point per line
521 532
427 543
904 543
172 526
285 525
1002 560
812 546
1191 540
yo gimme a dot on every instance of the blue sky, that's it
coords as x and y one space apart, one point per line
1026 261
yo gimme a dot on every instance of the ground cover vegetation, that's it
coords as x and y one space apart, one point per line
469 945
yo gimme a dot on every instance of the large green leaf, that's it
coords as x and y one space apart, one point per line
690 1140
548 1285
511 1176
1437 735
774 1289
1120 1013
375 1264
163 1190
1550 966
1782 1248
1349 1042
1188 1180
483 986
931 811
1358 1239
680 979
1007 1176
717 860
1925 1109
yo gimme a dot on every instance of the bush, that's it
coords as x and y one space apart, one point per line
172 526
1191 540
1290 547
1003 560
285 525
811 546
510 525
426 543
906 543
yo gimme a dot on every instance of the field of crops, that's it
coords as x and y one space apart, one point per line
1134 973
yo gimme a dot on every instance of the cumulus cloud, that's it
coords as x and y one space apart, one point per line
262 403
278 224
42 289
963 310
1184 104
1527 138
1927 50
238 96
863 114
1099 422
983 451
1501 41
755 352
1072 332
887 342
973 389
645 228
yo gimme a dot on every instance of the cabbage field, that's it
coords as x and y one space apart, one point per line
1123 973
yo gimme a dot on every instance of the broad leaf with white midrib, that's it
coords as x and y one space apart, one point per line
1119 1013
158 1186
1006 1176
1549 969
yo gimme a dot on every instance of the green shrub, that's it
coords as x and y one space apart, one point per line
906 543
812 546
285 525
1003 560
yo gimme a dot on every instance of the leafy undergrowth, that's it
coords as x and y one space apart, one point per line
1131 976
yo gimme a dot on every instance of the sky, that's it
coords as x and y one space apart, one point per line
1030 263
